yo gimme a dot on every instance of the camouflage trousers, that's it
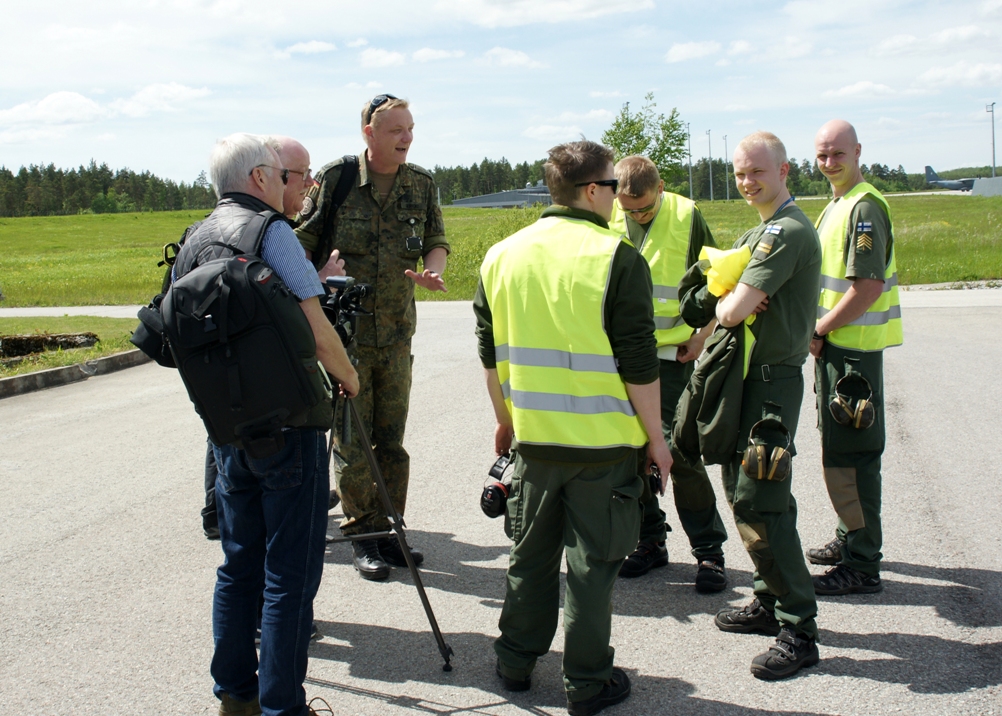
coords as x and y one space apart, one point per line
385 379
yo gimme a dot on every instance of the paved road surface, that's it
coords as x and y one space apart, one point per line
105 579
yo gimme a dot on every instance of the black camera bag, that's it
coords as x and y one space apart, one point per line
244 348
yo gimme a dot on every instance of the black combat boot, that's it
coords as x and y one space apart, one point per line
368 562
846 580
646 557
511 684
751 618
710 575
390 551
616 689
789 654
830 554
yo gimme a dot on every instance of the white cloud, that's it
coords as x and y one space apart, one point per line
863 88
989 7
896 44
794 47
552 133
739 47
890 124
106 137
503 57
596 94
595 115
722 62
958 34
372 57
514 13
58 108
367 85
311 48
736 108
157 98
963 73
427 54
360 42
683 51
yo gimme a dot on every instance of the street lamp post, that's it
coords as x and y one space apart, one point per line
991 108
689 137
727 175
709 146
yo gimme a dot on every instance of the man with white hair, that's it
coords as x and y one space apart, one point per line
781 284
272 511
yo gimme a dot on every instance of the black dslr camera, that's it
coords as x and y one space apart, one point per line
494 498
344 305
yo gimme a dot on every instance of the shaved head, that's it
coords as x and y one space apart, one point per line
772 143
838 130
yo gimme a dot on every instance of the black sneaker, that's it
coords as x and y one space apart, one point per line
646 557
512 684
830 554
710 575
751 618
616 689
367 560
389 550
846 580
789 654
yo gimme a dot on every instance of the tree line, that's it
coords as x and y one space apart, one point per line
39 190
487 177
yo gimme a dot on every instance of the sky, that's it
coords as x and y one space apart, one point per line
152 84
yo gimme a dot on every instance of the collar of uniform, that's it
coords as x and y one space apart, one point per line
363 171
569 212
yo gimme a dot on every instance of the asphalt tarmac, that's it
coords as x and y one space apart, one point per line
106 580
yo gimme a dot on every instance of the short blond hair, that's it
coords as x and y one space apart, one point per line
377 113
638 176
768 140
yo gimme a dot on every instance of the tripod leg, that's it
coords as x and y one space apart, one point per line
397 525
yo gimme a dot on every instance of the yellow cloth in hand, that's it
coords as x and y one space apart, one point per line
726 267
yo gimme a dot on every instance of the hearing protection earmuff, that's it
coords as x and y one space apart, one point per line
855 412
758 462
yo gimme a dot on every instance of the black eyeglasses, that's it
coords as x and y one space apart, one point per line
378 101
614 183
284 172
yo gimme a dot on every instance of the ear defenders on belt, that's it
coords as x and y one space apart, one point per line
855 412
761 463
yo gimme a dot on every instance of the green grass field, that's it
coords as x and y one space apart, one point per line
112 258
113 334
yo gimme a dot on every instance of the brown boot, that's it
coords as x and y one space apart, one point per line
229 706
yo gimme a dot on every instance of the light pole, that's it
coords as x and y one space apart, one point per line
689 137
991 108
727 174
709 147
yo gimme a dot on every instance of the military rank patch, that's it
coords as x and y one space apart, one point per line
864 243
764 246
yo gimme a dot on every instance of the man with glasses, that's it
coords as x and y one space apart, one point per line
565 328
389 220
669 232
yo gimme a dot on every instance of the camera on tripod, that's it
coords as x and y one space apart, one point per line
344 305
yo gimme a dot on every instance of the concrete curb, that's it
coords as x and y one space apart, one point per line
29 382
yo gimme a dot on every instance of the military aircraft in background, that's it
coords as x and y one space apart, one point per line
931 177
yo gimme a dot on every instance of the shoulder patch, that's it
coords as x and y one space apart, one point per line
308 207
773 229
864 227
864 243
420 170
764 246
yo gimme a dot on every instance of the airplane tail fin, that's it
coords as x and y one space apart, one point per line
931 175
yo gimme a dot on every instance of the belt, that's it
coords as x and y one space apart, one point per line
768 373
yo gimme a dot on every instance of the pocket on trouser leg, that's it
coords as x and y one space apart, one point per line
762 495
841 484
624 519
513 510
755 538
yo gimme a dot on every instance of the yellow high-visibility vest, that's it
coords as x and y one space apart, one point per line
880 326
546 287
666 248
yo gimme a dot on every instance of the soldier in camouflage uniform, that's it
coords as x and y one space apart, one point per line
388 221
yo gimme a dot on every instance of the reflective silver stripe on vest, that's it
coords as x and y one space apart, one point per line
551 358
559 403
877 318
669 292
506 389
663 323
842 285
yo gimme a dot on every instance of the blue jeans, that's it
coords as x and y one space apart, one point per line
273 527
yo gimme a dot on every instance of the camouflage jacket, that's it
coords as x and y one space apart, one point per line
373 241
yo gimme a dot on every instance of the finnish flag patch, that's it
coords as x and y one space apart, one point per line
864 227
773 229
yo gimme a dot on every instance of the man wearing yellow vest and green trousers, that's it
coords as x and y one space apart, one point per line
565 331
669 232
858 317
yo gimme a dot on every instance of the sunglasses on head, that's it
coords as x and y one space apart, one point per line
378 101
284 172
614 183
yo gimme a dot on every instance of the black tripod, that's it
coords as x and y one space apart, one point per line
396 522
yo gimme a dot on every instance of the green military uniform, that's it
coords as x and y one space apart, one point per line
695 501
371 233
786 265
861 247
576 483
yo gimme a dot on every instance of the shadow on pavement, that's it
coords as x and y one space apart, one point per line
377 654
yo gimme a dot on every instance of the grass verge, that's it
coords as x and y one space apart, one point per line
113 333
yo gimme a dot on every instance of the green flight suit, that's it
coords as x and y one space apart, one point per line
371 235
786 265
851 458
